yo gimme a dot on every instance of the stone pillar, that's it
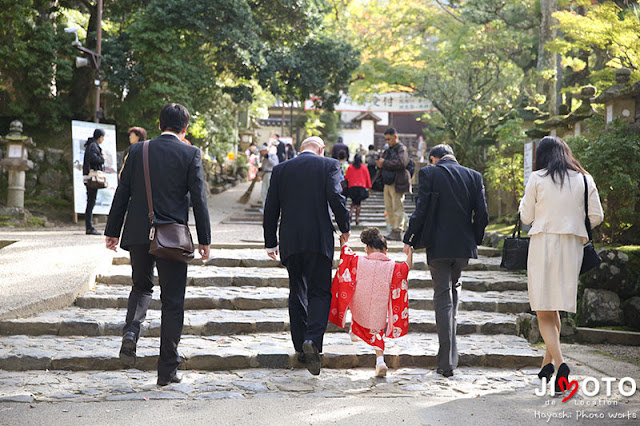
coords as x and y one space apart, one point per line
15 195
16 163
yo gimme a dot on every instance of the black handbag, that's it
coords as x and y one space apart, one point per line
590 258
515 250
171 241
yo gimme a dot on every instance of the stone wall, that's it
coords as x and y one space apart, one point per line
51 176
610 294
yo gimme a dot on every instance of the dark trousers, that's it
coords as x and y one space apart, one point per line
309 297
91 203
172 277
445 274
372 172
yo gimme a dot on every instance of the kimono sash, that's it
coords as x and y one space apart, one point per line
344 285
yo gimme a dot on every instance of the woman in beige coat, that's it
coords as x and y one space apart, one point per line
553 203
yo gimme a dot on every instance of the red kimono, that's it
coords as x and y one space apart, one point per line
342 290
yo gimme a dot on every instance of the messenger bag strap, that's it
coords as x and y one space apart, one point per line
587 222
147 180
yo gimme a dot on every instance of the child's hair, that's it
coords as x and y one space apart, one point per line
373 238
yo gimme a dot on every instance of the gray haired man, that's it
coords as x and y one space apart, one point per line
456 226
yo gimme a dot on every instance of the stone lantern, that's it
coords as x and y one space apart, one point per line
618 99
16 162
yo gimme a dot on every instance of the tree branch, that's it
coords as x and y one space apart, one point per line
450 12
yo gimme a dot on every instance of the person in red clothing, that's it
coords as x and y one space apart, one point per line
359 183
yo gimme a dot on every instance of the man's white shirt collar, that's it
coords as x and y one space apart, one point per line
170 133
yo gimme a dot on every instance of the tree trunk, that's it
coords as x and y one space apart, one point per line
83 92
547 61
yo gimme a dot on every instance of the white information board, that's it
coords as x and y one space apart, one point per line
529 152
385 102
80 132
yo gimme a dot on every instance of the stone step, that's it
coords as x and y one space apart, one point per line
109 322
205 276
365 216
252 298
393 247
255 221
258 258
263 350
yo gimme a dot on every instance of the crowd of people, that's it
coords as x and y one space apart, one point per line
303 193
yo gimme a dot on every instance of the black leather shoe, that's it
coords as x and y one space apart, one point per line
177 378
563 371
312 356
301 357
445 373
93 231
547 371
128 349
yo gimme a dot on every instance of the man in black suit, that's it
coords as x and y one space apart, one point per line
175 169
456 227
301 193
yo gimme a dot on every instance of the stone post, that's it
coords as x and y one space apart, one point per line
16 163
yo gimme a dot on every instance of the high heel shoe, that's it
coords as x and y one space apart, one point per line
547 371
563 371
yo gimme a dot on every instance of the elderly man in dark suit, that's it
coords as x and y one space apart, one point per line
175 169
455 227
301 194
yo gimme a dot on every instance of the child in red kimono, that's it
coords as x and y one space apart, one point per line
374 288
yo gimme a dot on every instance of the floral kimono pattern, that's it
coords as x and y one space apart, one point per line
343 287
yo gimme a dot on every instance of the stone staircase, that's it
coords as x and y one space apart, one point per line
372 212
236 316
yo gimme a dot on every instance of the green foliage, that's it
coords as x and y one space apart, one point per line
210 55
321 67
313 125
471 58
606 28
35 70
503 174
597 39
329 132
612 155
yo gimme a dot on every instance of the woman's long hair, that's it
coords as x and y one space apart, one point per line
357 161
97 133
554 155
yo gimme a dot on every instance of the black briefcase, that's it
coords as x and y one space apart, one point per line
515 250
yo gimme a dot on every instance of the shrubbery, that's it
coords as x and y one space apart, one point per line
503 174
612 156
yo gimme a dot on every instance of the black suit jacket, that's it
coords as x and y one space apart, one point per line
460 216
176 171
301 192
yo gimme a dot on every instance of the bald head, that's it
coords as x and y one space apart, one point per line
314 143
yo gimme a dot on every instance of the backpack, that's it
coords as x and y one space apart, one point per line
411 166
371 159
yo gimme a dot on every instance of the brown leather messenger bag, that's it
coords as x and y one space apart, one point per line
171 241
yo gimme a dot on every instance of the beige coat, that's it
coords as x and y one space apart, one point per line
556 210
